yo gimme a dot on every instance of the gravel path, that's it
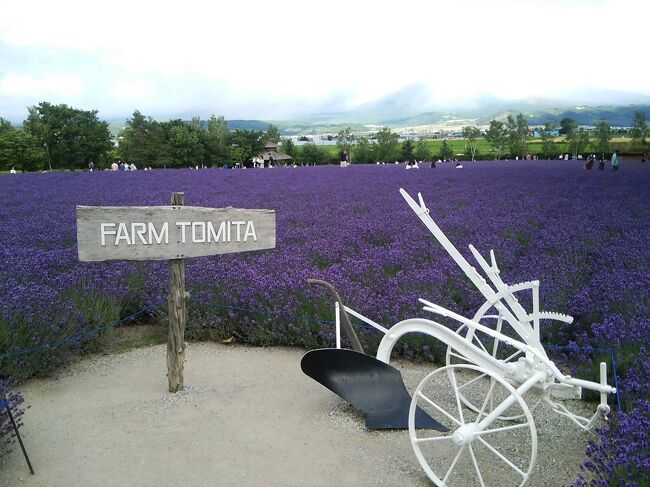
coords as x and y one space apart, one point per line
248 417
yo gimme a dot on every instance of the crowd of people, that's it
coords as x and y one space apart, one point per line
122 166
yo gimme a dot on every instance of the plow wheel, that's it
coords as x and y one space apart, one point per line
472 453
497 349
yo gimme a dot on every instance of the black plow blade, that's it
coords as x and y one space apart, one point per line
370 385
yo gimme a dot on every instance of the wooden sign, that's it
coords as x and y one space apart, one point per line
170 232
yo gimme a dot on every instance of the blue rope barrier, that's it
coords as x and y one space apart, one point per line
364 326
78 338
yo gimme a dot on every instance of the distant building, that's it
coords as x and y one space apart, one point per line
271 149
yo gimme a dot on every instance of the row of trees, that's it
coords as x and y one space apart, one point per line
62 137
177 143
54 137
513 136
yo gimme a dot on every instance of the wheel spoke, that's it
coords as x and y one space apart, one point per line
459 356
518 352
476 339
478 470
439 409
488 397
504 459
471 381
453 464
431 439
505 428
455 386
496 341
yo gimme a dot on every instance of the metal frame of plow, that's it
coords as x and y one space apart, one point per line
475 349
476 346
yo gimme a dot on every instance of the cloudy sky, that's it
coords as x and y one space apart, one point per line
285 59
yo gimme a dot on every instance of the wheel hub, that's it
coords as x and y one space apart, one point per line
464 435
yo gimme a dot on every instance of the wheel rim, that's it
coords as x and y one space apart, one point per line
500 454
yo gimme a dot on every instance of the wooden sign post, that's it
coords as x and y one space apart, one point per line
171 233
177 309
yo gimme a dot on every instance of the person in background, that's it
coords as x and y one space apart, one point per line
615 160
344 159
91 166
271 160
13 170
644 157
601 162
459 165
132 167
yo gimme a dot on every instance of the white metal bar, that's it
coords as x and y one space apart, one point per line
337 309
501 430
430 439
453 464
439 409
478 470
434 308
366 320
504 459
603 381
590 385
536 310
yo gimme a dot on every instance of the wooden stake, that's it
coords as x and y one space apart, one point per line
177 316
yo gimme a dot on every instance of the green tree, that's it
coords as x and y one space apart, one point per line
549 146
517 134
185 148
217 141
344 141
312 154
446 153
387 145
251 143
471 135
143 141
21 150
407 150
71 137
421 150
363 150
273 135
567 126
602 136
640 129
4 125
577 141
497 136
288 147
236 155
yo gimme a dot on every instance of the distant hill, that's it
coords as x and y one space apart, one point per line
247 125
389 111
617 116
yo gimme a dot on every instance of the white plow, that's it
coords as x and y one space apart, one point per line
496 372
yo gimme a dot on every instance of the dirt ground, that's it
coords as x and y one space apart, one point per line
247 417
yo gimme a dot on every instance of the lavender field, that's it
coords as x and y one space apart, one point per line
584 234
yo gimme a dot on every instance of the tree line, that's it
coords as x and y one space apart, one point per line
62 137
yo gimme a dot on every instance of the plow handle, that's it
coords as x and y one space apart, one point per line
347 325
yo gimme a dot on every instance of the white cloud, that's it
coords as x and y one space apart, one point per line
233 53
27 86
